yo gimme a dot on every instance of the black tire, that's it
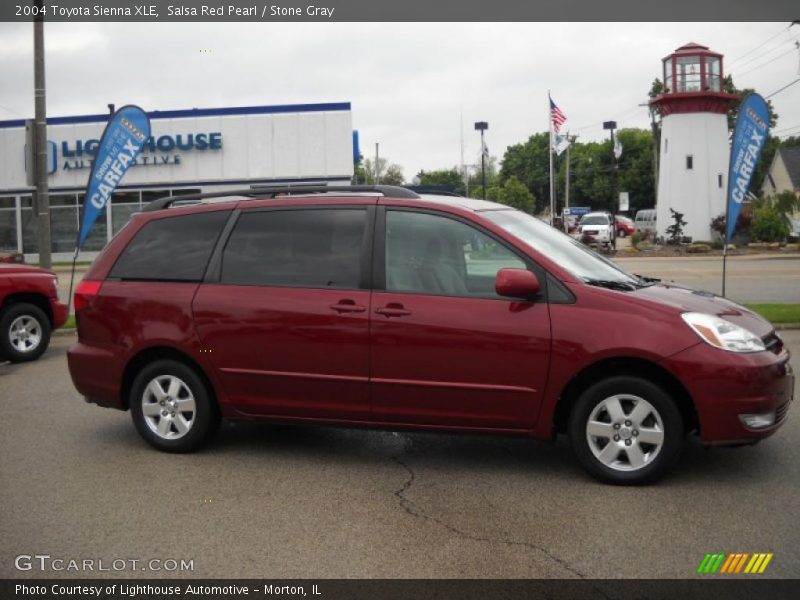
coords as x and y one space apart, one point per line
621 233
30 342
169 417
647 461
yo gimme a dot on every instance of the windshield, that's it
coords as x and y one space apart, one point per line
560 248
595 220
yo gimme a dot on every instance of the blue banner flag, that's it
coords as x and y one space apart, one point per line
749 137
122 141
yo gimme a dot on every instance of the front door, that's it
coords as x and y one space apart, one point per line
445 349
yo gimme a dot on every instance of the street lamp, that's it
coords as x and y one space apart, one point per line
482 126
611 126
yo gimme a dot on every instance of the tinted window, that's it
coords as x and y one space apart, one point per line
171 249
318 248
436 255
595 220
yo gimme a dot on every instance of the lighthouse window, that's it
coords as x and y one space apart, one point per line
688 68
668 84
689 161
713 82
719 179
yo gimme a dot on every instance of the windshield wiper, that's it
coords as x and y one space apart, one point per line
623 286
646 281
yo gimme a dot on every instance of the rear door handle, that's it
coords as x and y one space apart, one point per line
393 310
348 306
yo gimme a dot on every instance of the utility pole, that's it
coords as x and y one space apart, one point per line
571 140
482 126
612 125
41 203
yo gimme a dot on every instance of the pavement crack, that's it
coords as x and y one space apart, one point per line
412 509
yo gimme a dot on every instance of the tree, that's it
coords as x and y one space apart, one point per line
514 193
450 178
733 112
529 163
769 224
675 231
785 203
388 174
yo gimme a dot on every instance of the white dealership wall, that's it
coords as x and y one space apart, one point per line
261 144
230 148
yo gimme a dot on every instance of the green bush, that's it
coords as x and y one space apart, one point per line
769 225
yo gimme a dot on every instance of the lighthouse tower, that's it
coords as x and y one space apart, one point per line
694 154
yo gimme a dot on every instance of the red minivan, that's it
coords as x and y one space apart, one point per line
377 307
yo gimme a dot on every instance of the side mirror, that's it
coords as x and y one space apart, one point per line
516 283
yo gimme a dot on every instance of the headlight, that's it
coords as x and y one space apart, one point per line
723 334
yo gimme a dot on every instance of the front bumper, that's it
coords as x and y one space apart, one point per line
725 385
60 312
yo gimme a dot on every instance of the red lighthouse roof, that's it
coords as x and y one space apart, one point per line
693 82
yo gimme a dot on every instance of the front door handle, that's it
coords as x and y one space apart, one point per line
348 306
393 309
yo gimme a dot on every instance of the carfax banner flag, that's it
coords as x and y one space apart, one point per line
122 141
749 137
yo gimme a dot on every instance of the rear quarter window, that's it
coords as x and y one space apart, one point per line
171 249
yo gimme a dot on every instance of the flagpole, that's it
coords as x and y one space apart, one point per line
550 154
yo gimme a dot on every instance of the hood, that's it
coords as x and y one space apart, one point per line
16 268
688 300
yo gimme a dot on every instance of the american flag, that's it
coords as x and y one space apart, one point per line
556 116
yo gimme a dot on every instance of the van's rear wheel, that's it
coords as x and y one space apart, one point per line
626 430
171 407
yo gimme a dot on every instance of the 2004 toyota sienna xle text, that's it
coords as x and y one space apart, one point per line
390 310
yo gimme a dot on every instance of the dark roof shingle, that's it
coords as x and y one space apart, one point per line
791 158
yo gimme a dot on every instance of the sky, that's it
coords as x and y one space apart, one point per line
411 85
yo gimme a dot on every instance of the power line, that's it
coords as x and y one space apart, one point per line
761 45
762 55
783 88
617 116
766 63
788 128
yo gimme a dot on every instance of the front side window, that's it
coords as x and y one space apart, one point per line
313 248
171 249
559 247
431 254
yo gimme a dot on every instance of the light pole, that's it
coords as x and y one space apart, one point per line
482 126
42 195
611 126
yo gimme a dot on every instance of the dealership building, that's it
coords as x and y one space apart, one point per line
190 151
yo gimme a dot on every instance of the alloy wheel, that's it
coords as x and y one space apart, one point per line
625 432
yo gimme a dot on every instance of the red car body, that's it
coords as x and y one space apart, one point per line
372 357
624 226
24 286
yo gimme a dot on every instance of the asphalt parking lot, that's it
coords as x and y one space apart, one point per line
76 482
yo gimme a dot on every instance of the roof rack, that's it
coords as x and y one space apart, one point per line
271 191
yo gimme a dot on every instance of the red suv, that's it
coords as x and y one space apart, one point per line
391 310
29 311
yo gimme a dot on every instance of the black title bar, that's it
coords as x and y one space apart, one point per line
400 10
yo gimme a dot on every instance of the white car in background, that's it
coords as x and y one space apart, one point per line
597 228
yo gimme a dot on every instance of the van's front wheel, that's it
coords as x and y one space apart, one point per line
626 430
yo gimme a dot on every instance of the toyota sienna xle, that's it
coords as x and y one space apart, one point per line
377 307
